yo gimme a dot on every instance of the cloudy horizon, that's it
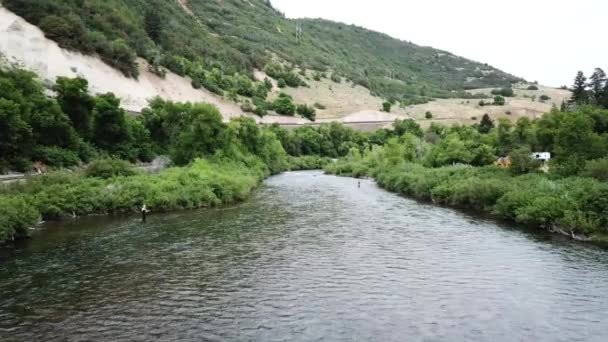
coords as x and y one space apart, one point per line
539 41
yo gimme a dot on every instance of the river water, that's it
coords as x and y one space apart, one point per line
309 257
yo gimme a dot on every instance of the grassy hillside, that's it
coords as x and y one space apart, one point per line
211 40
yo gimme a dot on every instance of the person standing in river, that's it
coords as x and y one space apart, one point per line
144 213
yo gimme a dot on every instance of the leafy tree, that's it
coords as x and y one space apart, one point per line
306 112
486 125
122 57
15 135
579 90
522 161
108 168
203 136
68 31
597 169
110 129
505 92
407 126
499 100
504 136
386 107
284 105
75 101
450 150
576 142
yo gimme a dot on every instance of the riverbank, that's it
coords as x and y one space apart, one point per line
204 183
572 206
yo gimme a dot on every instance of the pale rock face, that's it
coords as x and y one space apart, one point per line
25 45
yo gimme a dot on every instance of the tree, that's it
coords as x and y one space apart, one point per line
15 134
283 105
306 112
110 128
486 125
122 57
407 126
153 23
576 142
579 90
204 134
499 100
504 136
386 107
75 101
597 85
522 161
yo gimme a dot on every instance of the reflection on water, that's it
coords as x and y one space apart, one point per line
308 257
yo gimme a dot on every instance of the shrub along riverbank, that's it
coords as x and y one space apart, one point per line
573 206
111 187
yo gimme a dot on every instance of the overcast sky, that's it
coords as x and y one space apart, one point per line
544 40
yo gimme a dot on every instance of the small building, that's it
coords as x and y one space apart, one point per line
542 156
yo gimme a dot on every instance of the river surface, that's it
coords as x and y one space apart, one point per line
308 257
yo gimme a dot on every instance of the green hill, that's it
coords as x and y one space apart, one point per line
213 40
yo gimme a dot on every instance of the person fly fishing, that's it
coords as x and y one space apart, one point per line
144 213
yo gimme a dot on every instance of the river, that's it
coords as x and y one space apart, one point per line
308 257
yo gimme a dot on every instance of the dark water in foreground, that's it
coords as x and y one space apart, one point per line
308 258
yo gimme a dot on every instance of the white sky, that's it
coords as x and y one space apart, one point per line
544 40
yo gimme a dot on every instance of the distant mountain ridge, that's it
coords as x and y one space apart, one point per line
195 37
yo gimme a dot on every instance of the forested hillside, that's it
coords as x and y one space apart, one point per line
219 43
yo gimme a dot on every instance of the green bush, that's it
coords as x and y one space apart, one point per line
522 161
306 112
307 163
16 216
428 115
544 98
386 107
597 169
336 78
505 92
108 168
55 156
532 87
281 83
499 100
284 105
319 106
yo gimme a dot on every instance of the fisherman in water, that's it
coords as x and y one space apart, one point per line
144 213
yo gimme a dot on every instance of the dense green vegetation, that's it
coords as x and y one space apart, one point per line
215 162
453 166
219 43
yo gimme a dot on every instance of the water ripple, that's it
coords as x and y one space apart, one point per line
308 258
